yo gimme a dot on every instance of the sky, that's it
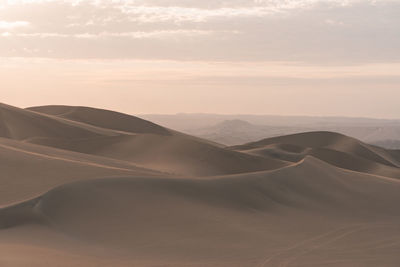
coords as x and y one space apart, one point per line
287 57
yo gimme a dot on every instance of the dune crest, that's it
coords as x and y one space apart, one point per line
337 149
103 118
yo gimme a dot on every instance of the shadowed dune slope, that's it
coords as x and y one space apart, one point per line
123 137
336 149
395 154
28 170
20 124
176 154
150 145
258 219
330 140
103 118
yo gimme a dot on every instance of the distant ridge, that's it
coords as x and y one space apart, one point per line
218 128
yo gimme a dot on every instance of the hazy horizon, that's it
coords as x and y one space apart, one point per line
263 114
294 57
214 114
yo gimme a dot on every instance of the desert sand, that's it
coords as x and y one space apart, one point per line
89 187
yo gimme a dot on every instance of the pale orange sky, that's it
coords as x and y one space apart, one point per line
295 57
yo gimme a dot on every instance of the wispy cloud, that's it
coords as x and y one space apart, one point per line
312 31
133 35
9 25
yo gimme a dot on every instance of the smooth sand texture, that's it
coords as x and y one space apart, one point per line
135 140
336 149
326 200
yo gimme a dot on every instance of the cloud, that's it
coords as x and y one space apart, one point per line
133 35
9 25
311 31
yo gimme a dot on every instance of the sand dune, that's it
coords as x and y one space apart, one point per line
20 124
151 146
28 170
259 219
75 192
336 149
331 140
103 118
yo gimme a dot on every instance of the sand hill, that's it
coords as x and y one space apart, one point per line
337 149
89 187
143 143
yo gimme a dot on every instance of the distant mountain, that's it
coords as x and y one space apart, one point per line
240 129
234 132
191 121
